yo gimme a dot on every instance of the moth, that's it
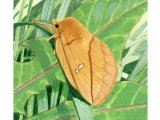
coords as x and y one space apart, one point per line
88 63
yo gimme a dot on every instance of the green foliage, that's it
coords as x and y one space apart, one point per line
111 20
41 90
127 101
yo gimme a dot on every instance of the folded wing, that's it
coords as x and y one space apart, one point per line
89 66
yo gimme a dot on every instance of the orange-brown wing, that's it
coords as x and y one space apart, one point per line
104 71
89 66
76 65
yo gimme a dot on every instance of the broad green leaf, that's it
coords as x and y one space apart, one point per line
127 101
34 76
111 20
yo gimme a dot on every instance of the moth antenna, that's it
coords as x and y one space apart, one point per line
43 26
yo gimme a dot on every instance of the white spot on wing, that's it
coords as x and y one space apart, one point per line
76 71
81 66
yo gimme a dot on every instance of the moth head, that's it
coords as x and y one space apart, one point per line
69 25
57 24
66 24
53 28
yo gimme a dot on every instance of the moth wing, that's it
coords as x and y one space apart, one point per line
64 63
75 64
104 71
90 68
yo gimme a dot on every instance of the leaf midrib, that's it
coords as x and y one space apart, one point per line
35 78
109 110
116 19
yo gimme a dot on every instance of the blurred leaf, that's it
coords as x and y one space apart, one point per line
117 107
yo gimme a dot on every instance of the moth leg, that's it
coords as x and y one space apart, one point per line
48 39
54 52
56 35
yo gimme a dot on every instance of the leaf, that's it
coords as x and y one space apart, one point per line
42 100
47 99
136 46
30 106
55 93
36 79
17 30
63 9
141 63
73 6
111 21
17 8
141 77
34 76
84 110
117 107
46 14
